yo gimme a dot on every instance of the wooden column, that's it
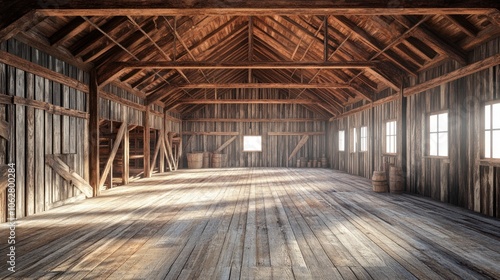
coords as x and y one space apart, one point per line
160 138
126 150
94 133
401 131
109 179
371 138
147 149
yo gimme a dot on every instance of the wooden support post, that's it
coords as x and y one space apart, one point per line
126 150
157 150
170 155
94 133
371 138
109 164
164 150
401 139
109 178
162 155
147 140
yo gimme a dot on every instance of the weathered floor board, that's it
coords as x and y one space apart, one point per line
255 223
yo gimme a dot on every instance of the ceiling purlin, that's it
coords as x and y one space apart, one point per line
424 31
238 76
230 47
183 43
273 37
105 45
124 46
93 38
399 39
463 24
346 74
159 49
281 76
75 26
187 50
368 40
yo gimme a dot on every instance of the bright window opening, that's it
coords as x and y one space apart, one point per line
390 137
492 131
438 135
252 143
364 139
354 140
341 141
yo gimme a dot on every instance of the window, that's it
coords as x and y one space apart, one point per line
353 140
492 131
390 137
438 135
252 143
341 141
364 139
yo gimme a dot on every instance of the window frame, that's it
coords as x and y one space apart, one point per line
341 132
491 130
395 135
252 151
438 132
365 138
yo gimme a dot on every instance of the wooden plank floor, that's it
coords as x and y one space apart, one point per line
251 223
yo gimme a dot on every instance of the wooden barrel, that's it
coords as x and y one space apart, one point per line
218 160
319 164
195 160
206 159
298 162
324 162
309 163
395 180
379 181
315 163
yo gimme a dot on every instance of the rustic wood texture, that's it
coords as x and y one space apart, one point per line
248 223
341 53
278 138
51 113
463 178
61 168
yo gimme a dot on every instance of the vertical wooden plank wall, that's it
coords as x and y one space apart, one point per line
360 163
111 110
39 132
275 149
462 178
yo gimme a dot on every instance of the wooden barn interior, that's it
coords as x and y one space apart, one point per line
238 139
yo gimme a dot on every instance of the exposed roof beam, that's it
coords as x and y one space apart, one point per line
242 101
463 24
432 39
159 49
454 75
93 38
259 8
243 65
263 85
374 45
15 22
183 43
74 27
